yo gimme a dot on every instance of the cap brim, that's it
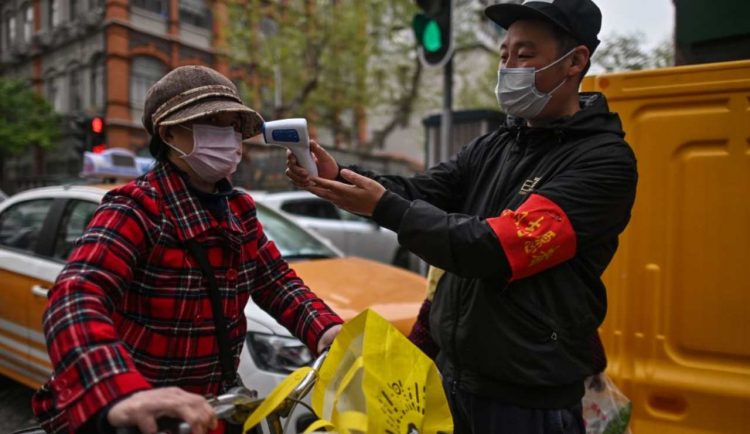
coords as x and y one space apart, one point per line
252 122
506 14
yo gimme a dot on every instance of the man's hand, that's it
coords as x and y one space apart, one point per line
143 408
327 166
360 197
328 337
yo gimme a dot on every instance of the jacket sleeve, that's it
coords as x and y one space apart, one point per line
441 185
91 365
587 204
281 293
589 200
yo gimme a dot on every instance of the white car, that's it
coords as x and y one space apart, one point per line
353 234
38 229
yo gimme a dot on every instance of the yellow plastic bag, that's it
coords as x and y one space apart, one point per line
375 381
276 397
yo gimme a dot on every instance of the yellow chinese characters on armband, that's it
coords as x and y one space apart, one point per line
535 237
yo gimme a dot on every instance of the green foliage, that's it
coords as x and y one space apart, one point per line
329 59
26 119
336 61
477 91
626 53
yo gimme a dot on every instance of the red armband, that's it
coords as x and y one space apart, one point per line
535 237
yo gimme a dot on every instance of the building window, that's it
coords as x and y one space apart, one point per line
155 6
28 23
97 82
75 100
54 13
73 12
54 96
144 72
11 29
196 13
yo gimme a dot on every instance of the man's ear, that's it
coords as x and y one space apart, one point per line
579 60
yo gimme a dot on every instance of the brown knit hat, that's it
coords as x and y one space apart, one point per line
191 92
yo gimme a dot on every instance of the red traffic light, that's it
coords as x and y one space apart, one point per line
97 125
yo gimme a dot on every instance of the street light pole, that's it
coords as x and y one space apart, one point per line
447 118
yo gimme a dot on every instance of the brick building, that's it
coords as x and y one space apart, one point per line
98 57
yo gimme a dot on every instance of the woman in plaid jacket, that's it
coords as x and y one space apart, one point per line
129 324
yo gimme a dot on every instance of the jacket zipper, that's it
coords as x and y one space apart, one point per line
457 367
512 156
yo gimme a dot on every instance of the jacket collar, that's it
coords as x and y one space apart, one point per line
593 118
183 208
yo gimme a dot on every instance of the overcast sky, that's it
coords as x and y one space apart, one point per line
654 18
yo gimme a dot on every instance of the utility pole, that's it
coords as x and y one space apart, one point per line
446 121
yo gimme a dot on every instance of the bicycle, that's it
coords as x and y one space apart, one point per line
235 407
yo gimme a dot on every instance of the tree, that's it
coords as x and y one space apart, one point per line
662 55
27 121
26 118
337 61
626 53
324 58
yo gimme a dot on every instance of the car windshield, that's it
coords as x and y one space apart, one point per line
293 242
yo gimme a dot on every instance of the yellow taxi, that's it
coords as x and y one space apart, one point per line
38 229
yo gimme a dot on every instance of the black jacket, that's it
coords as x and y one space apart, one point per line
521 335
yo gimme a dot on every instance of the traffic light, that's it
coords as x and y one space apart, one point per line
432 28
96 135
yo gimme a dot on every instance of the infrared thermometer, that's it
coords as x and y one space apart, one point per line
292 134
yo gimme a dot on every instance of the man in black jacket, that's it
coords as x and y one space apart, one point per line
524 220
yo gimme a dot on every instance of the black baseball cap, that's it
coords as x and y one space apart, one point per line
582 19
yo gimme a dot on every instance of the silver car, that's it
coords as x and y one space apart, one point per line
353 234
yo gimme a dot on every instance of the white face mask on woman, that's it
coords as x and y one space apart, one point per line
216 151
516 90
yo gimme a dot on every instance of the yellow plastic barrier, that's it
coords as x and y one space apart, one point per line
677 333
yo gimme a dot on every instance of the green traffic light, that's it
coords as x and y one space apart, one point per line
432 38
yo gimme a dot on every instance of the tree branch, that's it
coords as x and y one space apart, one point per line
311 84
401 115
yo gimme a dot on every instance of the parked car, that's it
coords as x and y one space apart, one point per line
3 196
353 234
38 229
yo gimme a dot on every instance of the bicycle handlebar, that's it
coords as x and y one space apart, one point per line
238 403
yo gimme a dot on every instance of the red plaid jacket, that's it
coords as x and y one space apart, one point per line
130 310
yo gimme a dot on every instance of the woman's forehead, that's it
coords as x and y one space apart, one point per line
218 117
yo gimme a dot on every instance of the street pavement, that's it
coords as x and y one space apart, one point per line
15 406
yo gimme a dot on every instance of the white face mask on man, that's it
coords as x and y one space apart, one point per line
516 90
216 151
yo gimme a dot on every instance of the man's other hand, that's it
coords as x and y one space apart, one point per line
359 197
143 408
327 166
